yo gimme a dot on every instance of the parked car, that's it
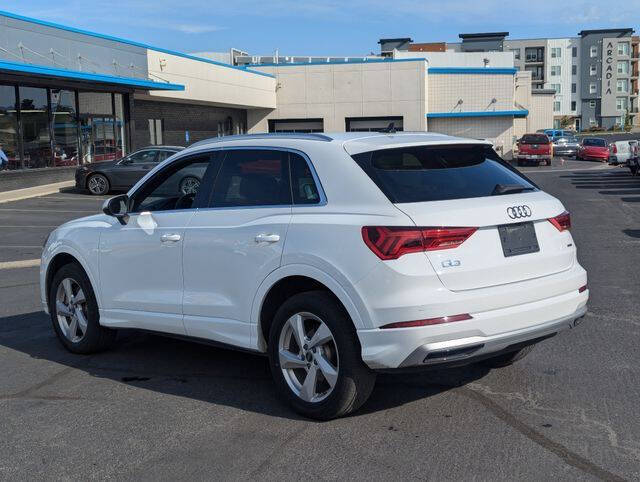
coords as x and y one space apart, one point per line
593 149
554 134
336 255
101 177
619 152
566 146
634 159
536 148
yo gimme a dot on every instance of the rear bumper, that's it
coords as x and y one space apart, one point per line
533 157
488 332
463 351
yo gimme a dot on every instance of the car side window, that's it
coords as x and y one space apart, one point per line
143 157
176 187
303 186
162 155
252 177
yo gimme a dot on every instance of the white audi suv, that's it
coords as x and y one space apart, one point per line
338 256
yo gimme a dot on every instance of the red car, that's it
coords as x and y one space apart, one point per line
593 149
535 148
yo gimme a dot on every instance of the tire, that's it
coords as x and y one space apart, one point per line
94 338
507 359
634 170
189 185
98 184
353 381
520 163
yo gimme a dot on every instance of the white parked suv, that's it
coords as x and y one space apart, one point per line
336 255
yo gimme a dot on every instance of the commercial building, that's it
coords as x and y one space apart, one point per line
69 97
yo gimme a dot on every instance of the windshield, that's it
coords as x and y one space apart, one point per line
437 173
594 142
534 139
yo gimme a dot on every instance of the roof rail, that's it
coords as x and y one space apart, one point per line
271 135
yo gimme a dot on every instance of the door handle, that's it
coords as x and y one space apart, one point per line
267 238
170 238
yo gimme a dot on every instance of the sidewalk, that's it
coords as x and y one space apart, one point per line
36 191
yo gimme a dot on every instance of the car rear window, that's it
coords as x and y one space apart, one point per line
594 142
438 173
534 139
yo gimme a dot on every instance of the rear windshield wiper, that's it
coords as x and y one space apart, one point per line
510 189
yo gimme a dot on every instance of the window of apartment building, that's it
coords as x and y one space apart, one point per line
534 54
556 70
622 85
623 48
555 87
623 67
556 52
516 54
592 104
573 106
556 106
574 70
574 88
621 103
156 131
592 121
593 70
574 52
592 88
593 51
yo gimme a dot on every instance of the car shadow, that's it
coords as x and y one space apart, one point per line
202 372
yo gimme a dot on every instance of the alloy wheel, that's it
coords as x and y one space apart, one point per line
71 310
308 357
97 185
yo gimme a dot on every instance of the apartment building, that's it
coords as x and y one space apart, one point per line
608 95
594 75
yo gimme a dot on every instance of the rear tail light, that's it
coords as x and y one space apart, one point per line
582 289
391 242
429 321
614 148
562 221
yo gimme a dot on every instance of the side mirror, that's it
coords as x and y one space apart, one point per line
117 207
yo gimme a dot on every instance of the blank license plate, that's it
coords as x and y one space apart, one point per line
518 239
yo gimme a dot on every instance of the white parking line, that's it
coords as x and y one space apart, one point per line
25 263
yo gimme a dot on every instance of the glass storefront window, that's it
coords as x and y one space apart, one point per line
34 116
97 127
65 128
9 128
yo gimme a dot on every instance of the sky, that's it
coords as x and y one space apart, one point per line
331 28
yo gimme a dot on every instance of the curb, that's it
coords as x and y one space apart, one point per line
29 192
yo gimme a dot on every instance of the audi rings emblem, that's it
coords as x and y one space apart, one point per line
518 212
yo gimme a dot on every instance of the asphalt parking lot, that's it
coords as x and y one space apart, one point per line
157 408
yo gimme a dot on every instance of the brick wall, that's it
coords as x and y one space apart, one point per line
201 121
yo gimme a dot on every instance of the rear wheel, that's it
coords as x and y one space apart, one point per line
315 360
507 359
74 312
98 184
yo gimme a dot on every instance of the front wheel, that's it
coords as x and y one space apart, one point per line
507 359
315 360
98 185
74 312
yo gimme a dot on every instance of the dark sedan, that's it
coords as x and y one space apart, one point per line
566 146
121 174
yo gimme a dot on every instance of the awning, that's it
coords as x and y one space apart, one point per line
54 73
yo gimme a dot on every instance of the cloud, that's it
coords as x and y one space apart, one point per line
195 29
